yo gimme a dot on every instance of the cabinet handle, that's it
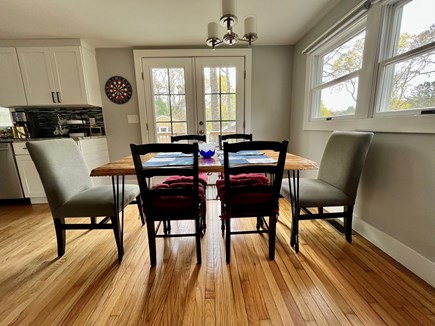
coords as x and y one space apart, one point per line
58 98
52 97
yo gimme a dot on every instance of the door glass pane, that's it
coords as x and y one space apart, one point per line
220 101
169 102
160 81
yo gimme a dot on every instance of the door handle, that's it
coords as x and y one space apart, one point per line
201 132
52 97
58 98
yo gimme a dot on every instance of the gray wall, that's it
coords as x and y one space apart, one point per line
120 134
271 91
397 188
271 87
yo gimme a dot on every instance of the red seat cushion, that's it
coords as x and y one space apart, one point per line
175 203
245 198
202 178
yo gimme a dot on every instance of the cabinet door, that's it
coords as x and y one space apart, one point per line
32 185
11 83
37 75
68 75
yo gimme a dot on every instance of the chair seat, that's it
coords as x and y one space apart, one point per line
202 178
177 205
317 193
95 201
245 199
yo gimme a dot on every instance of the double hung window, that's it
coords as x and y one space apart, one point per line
375 69
336 74
407 65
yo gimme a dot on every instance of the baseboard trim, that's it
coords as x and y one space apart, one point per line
412 260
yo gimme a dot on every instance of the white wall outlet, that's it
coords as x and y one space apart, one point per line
133 118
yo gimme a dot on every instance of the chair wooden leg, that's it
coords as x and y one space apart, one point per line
348 223
118 236
152 242
139 206
60 235
272 236
198 232
222 221
228 239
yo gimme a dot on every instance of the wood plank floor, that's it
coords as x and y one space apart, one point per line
330 282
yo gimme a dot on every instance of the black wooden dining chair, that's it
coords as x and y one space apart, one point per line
203 177
188 138
167 202
252 197
233 138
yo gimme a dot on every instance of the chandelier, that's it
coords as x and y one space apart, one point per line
229 20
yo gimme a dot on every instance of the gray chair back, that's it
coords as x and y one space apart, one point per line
343 160
61 167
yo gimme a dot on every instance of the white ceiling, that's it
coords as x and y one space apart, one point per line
125 23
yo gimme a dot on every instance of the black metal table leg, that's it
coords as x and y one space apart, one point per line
294 200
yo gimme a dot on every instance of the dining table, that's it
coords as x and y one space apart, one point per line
118 169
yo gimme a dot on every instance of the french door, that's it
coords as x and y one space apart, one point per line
200 95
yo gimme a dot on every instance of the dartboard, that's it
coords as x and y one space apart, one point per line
118 89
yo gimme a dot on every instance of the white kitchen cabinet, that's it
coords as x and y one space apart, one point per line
59 76
11 84
94 151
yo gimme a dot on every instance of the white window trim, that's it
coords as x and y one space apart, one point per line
365 118
189 53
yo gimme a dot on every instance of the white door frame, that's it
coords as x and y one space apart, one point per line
189 53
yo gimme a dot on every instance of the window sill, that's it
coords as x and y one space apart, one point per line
419 124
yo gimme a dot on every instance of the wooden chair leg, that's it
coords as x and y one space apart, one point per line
118 236
198 232
228 239
60 235
152 242
348 223
272 236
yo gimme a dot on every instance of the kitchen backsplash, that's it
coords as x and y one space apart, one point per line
46 120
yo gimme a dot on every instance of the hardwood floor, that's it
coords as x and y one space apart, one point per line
329 282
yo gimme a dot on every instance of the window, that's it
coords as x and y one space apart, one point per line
407 67
335 80
374 69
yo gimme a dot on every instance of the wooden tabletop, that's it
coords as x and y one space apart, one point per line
125 166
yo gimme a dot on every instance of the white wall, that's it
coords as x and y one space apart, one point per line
394 208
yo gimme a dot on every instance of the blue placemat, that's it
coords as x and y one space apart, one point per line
168 161
249 159
173 154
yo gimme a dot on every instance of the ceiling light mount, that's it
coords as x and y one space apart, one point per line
229 20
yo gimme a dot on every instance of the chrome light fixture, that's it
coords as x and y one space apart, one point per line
229 20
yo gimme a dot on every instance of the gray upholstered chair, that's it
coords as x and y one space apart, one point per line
335 185
71 193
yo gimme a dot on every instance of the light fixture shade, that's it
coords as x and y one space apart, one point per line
228 7
213 30
250 25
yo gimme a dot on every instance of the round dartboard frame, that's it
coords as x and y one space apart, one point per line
118 89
